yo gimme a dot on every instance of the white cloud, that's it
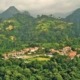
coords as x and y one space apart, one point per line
42 6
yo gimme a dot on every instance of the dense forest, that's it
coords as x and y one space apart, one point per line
57 68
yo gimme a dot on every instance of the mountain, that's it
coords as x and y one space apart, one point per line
61 15
74 17
10 12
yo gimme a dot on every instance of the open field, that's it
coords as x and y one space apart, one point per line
40 58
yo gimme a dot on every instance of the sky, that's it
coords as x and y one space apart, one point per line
42 6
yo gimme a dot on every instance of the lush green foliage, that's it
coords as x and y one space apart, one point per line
58 68
23 30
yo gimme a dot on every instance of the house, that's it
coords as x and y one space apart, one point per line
52 50
66 50
26 50
34 49
55 51
50 55
78 55
5 56
29 53
72 54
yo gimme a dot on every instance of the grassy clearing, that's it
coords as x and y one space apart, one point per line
39 58
42 59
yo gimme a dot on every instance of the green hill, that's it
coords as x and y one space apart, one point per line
22 30
74 17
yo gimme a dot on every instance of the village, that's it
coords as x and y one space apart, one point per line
32 52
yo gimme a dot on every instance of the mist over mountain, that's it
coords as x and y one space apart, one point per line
12 10
61 15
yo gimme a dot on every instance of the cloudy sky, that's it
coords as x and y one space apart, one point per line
42 6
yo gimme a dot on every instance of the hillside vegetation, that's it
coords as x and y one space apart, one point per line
41 48
23 30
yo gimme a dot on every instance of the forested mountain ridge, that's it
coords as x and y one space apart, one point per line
74 16
18 32
23 30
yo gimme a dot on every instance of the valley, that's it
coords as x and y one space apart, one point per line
39 48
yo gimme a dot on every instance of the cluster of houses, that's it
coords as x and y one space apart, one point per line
65 51
15 54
